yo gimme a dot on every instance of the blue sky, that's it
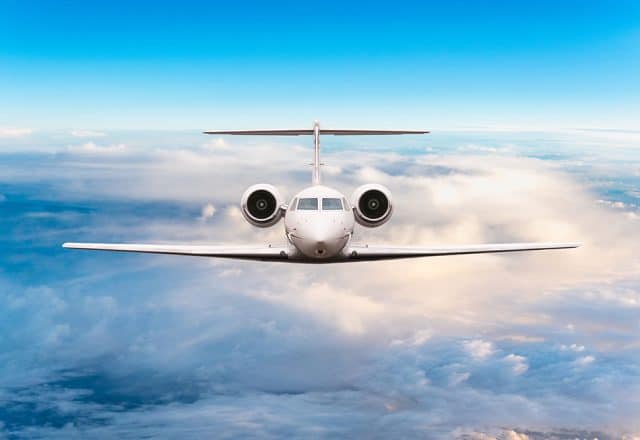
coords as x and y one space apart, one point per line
193 64
534 110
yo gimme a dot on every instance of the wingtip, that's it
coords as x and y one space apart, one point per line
571 245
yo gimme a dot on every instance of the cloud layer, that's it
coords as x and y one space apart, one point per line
505 346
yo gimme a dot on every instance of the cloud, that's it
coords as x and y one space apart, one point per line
217 144
479 349
207 211
573 347
93 148
87 133
114 344
584 361
518 363
14 132
513 435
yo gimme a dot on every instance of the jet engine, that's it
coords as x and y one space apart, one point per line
260 205
372 205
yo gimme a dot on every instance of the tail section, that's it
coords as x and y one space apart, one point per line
315 178
315 132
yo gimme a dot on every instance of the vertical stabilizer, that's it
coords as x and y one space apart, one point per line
316 154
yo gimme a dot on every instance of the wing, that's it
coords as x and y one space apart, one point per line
263 253
367 253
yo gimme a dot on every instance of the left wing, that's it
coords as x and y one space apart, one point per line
262 253
368 253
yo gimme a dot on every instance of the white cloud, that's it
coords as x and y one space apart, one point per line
93 148
87 133
14 132
207 211
572 347
458 378
513 435
518 363
217 144
584 361
479 349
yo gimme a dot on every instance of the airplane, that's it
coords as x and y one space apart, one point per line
318 221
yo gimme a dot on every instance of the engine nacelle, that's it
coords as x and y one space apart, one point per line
260 205
372 205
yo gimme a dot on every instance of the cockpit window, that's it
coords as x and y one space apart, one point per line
294 202
346 204
331 204
309 204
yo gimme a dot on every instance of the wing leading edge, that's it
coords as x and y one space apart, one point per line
262 253
283 254
369 253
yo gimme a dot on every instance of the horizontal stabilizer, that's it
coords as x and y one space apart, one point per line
307 131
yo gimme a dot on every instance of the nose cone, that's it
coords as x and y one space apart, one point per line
320 239
321 242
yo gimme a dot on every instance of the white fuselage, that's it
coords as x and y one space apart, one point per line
319 222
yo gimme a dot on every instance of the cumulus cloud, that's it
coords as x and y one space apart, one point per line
479 349
518 363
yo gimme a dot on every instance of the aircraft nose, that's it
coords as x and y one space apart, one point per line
319 239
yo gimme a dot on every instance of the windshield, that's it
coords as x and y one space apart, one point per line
310 204
331 204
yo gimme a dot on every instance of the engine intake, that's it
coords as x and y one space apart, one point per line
372 205
261 204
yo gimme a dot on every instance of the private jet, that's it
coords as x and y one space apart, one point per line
318 221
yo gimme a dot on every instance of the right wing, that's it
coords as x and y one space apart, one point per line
262 253
368 253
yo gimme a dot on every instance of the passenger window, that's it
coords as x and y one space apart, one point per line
331 204
293 204
308 204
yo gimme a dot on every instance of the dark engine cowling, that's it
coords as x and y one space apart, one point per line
372 205
261 205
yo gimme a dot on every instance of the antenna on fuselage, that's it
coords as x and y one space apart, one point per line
315 132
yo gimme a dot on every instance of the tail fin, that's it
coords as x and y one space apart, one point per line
316 132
